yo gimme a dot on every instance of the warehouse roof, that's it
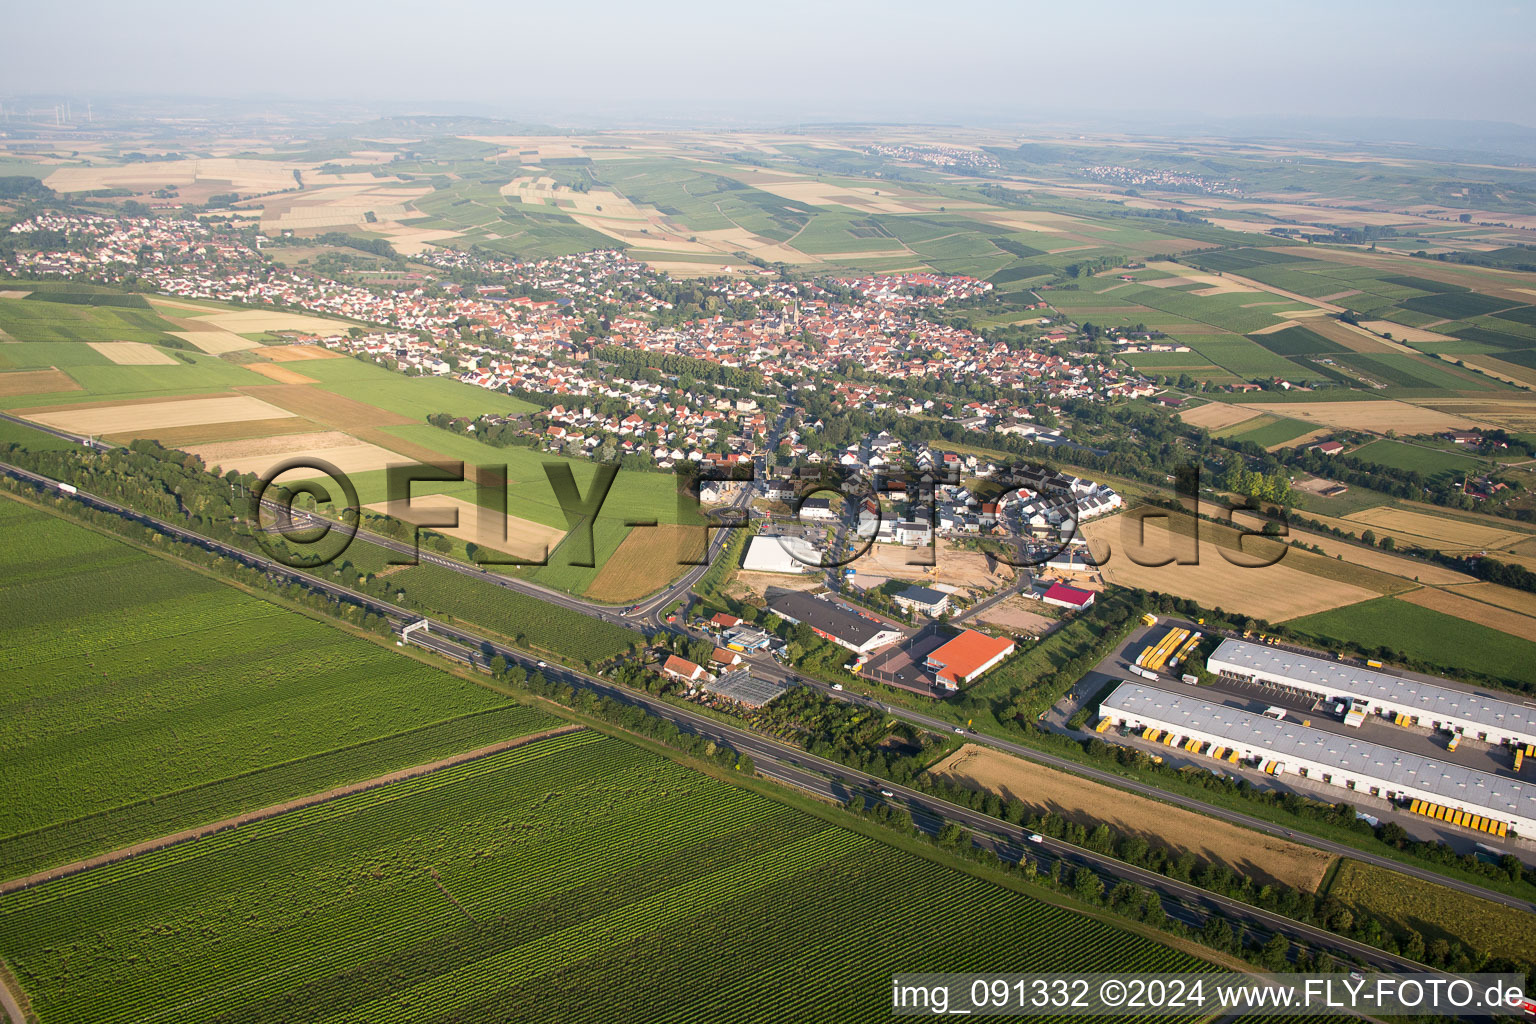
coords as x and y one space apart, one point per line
779 554
1336 678
1451 783
829 618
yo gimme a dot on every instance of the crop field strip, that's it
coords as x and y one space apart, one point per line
167 698
542 874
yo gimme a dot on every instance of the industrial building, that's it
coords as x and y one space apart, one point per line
1071 598
1337 759
966 657
859 633
779 554
1421 703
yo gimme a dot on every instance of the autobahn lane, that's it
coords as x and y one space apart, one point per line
464 645
837 782
1121 782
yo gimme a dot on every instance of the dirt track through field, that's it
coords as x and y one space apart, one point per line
202 832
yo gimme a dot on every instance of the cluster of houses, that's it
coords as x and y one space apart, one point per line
530 333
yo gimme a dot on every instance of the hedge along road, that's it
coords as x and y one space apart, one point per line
784 763
739 739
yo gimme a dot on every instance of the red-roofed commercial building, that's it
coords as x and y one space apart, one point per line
966 657
1063 596
683 669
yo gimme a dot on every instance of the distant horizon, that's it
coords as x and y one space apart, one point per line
981 64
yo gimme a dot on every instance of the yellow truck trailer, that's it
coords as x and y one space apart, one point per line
1232 757
1414 807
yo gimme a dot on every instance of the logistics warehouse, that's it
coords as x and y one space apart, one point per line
1423 703
1328 757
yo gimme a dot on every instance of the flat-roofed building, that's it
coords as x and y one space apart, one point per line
1432 705
1329 757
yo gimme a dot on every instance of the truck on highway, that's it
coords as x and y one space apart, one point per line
69 488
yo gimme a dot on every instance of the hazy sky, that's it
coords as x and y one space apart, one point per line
940 60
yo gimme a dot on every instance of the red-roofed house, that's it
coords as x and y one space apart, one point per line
1063 596
724 621
966 657
725 657
682 669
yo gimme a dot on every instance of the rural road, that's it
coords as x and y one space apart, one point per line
770 752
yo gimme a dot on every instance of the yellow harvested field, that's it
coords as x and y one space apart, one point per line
1214 285
1504 597
1402 332
133 353
216 343
1378 416
1438 531
233 175
1510 413
1217 415
299 353
1453 603
1274 592
1371 558
12 293
326 406
257 455
649 558
137 418
256 321
1267 859
36 382
281 374
524 539
181 437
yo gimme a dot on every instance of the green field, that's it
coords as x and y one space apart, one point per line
1429 461
141 697
1434 637
1278 430
417 397
32 320
1296 341
546 875
528 621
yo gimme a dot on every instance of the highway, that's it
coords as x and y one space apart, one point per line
649 619
833 781
741 740
778 761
